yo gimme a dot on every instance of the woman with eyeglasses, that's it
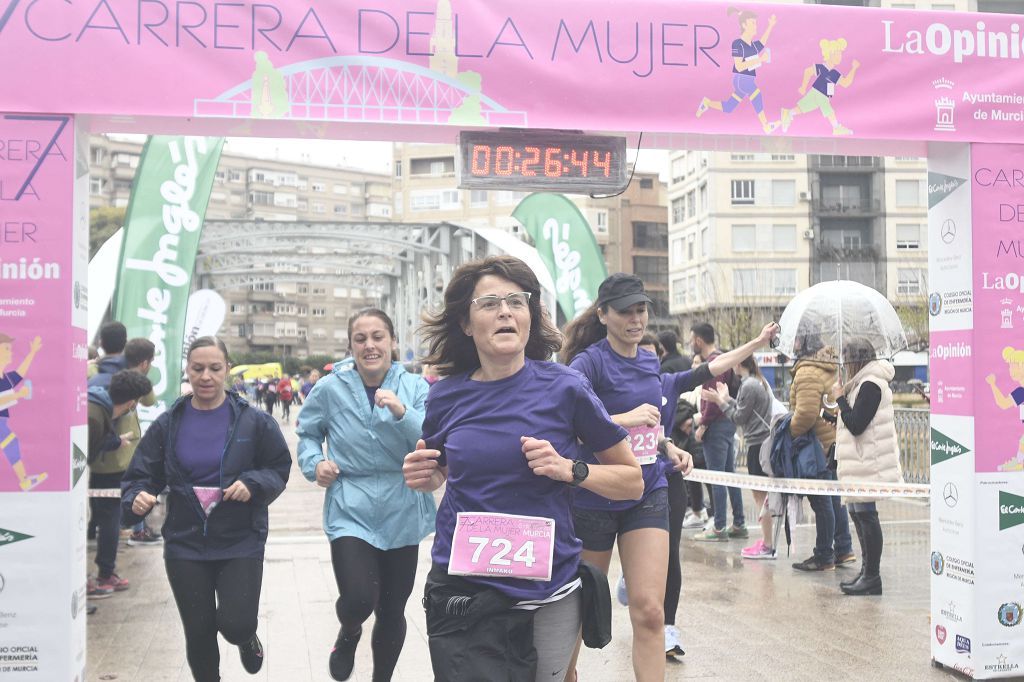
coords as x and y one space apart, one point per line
502 429
369 410
603 344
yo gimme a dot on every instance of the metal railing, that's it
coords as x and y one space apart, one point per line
914 433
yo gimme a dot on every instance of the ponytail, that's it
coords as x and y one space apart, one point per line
583 332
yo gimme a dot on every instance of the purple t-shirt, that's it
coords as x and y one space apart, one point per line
477 426
826 81
200 444
623 384
8 380
745 51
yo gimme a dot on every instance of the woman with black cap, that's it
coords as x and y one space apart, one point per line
603 344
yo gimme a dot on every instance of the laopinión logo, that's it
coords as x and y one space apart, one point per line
938 563
1009 614
1011 510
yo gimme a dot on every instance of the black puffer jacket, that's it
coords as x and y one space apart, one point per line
256 454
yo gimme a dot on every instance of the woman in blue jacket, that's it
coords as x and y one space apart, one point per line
370 412
224 463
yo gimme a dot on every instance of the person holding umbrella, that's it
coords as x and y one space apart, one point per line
867 449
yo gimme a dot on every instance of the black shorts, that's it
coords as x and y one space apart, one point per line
754 461
598 529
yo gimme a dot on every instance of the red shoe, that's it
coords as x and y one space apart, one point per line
114 582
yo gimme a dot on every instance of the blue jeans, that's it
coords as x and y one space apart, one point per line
720 455
831 524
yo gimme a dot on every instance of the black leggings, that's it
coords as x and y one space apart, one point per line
676 512
215 596
372 580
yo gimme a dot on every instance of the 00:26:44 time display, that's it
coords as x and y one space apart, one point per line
552 162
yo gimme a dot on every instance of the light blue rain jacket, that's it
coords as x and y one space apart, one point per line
369 500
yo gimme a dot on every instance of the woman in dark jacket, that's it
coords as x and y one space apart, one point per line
224 463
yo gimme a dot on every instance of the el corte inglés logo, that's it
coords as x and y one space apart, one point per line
1011 510
8 537
944 448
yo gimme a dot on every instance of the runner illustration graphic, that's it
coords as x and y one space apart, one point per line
747 55
10 397
825 78
1014 358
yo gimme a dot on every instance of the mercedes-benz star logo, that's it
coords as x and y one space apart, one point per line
950 495
948 232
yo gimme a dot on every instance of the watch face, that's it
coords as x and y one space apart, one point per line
580 471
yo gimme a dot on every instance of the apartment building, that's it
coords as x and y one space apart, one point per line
287 308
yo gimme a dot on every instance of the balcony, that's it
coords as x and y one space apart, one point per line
835 162
258 296
847 207
847 254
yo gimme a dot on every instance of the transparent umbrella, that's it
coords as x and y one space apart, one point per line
856 321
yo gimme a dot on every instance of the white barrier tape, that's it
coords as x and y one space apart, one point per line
801 486
105 492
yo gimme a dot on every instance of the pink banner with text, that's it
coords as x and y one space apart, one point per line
710 68
38 349
997 199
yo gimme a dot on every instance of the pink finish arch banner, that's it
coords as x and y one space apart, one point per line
802 71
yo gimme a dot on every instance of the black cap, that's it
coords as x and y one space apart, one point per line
622 290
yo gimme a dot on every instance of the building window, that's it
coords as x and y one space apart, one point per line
784 238
319 291
398 168
704 197
908 236
678 169
261 286
744 238
318 207
705 242
234 175
783 157
319 312
784 282
651 269
97 185
744 281
650 236
646 183
340 209
908 282
689 247
678 252
303 289
318 187
842 198
691 203
679 291
783 192
436 166
478 198
258 198
741 157
678 209
908 193
98 155
601 221
742 192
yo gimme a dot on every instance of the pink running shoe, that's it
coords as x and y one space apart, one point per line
758 550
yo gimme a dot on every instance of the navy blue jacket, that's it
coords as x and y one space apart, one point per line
800 457
256 454
107 367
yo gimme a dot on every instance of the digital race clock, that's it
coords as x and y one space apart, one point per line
544 160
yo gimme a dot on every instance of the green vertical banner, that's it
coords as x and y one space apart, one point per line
567 246
162 229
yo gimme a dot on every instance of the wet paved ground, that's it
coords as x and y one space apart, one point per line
740 620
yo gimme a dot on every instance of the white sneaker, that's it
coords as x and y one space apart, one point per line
620 592
673 644
692 520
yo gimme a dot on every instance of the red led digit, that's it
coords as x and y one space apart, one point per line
606 164
552 164
531 157
503 161
481 166
580 161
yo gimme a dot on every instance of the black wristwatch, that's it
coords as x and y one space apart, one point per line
580 471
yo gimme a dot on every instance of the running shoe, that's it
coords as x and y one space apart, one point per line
787 119
144 537
848 558
93 590
712 535
30 482
703 107
673 643
114 582
620 591
343 656
758 550
814 564
251 654
841 130
693 520
739 532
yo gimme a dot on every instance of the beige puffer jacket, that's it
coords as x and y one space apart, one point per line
874 455
812 378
